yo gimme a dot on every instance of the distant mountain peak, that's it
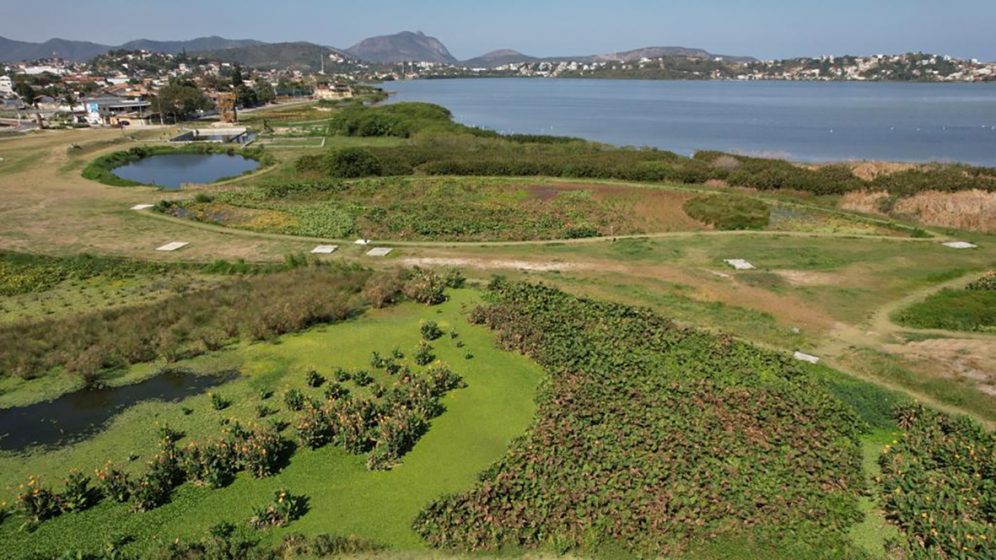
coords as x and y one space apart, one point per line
15 51
407 46
498 57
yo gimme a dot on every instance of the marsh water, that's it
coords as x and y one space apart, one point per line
171 171
805 121
78 415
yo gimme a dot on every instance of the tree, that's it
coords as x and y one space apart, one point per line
246 96
237 78
264 91
181 100
25 92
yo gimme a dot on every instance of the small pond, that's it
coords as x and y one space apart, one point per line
173 170
78 415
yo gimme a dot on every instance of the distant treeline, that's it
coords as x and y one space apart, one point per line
441 147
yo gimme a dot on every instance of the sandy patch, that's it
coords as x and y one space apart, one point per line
808 277
972 360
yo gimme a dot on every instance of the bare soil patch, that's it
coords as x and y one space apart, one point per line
971 360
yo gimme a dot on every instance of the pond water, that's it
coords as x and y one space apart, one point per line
171 171
78 415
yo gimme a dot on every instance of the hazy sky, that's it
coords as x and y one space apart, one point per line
762 28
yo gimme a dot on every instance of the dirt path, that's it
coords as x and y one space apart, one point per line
47 207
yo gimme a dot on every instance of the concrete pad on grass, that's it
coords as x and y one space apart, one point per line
143 206
361 242
961 245
739 264
379 252
324 249
173 246
809 358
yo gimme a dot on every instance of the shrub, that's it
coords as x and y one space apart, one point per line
337 391
257 307
78 495
454 279
284 508
314 428
937 485
349 163
114 484
313 379
627 431
218 402
396 435
729 212
213 464
430 330
294 399
425 286
382 290
986 283
362 378
260 453
332 545
36 501
423 354
150 491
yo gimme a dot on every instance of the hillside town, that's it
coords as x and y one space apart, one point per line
906 67
138 88
135 88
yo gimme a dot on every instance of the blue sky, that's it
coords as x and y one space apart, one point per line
762 28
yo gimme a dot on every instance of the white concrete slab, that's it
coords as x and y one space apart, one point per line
175 245
802 357
324 249
362 242
379 252
142 206
739 264
961 245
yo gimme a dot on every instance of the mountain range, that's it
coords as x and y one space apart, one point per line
406 46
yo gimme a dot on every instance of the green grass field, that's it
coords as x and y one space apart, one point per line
955 310
345 498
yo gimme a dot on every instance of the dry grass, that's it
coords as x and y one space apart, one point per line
973 210
863 201
869 170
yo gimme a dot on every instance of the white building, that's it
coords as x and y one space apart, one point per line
6 85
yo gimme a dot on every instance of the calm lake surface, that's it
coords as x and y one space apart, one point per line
807 121
172 170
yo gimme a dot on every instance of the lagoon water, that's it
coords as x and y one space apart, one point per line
173 170
806 121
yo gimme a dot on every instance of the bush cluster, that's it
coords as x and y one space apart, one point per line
251 308
938 485
386 428
653 437
443 147
729 212
260 453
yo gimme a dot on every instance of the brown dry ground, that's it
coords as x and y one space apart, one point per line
973 210
836 290
649 210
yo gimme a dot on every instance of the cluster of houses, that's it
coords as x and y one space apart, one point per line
124 93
